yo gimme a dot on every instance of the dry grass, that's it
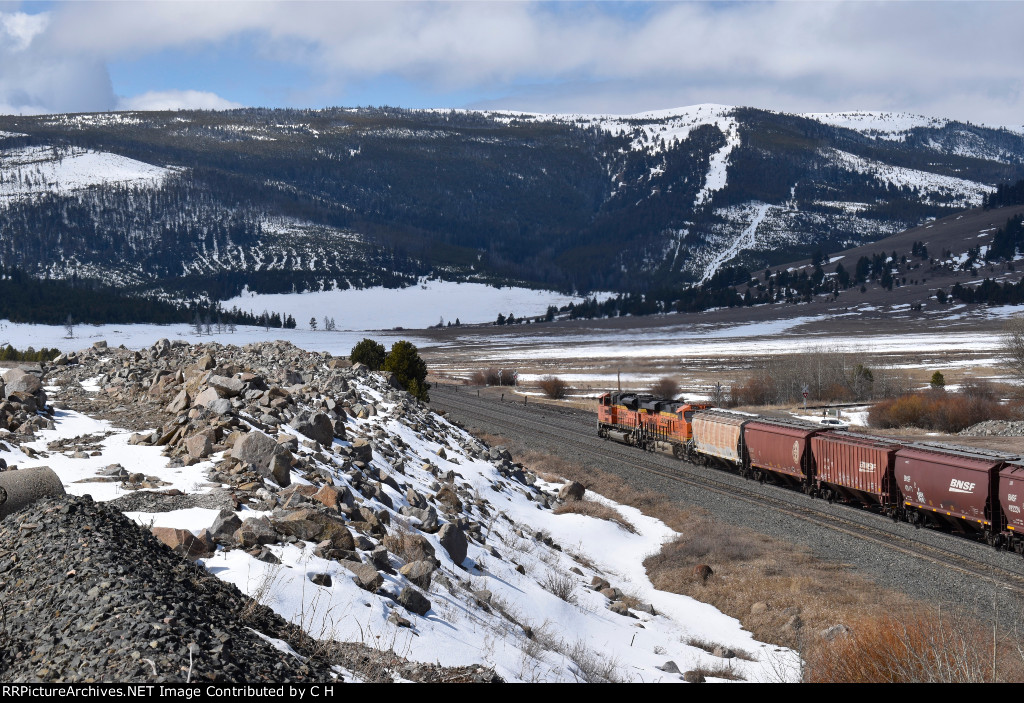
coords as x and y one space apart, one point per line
710 647
923 647
594 509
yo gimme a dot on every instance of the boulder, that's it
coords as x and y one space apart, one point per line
414 601
227 387
181 402
255 531
572 491
362 451
20 380
269 458
226 524
199 445
183 542
314 526
319 427
693 677
418 572
426 518
334 497
206 397
365 576
454 541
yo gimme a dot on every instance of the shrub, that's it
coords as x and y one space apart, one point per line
493 377
368 352
554 387
665 388
411 371
943 412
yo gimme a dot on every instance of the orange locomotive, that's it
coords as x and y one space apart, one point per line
647 422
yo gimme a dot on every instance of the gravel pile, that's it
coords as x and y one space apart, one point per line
996 428
88 596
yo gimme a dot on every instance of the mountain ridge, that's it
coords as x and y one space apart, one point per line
281 200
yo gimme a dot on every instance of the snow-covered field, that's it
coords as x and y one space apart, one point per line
453 632
415 307
28 171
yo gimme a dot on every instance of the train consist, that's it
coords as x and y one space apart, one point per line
976 492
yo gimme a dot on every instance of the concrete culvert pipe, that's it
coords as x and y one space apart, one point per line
24 486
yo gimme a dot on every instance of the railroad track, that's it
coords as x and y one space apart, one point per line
569 430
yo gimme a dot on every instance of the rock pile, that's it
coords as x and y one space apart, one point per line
313 443
88 596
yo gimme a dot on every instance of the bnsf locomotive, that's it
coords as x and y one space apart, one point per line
963 489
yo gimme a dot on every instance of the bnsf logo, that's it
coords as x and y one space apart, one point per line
958 486
1012 497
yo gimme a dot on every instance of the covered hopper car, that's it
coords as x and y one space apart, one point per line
970 491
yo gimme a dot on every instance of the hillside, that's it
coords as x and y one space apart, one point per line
395 544
205 203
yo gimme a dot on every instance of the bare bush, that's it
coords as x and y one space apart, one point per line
493 377
828 375
554 387
944 412
1013 346
560 585
666 388
594 509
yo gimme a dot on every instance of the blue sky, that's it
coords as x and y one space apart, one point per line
952 59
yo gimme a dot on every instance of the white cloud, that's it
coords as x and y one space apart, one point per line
176 100
958 59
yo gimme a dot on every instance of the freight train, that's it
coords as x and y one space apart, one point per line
972 491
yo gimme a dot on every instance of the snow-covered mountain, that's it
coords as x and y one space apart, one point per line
282 200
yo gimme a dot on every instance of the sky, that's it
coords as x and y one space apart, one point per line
961 60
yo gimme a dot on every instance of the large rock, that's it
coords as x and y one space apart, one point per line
180 403
454 541
200 445
334 497
19 380
315 526
262 451
414 601
227 387
183 542
254 531
365 576
426 517
362 451
572 491
207 397
225 526
419 572
319 428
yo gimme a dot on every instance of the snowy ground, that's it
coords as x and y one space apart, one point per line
454 632
415 307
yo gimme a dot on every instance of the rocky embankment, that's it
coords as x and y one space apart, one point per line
92 596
